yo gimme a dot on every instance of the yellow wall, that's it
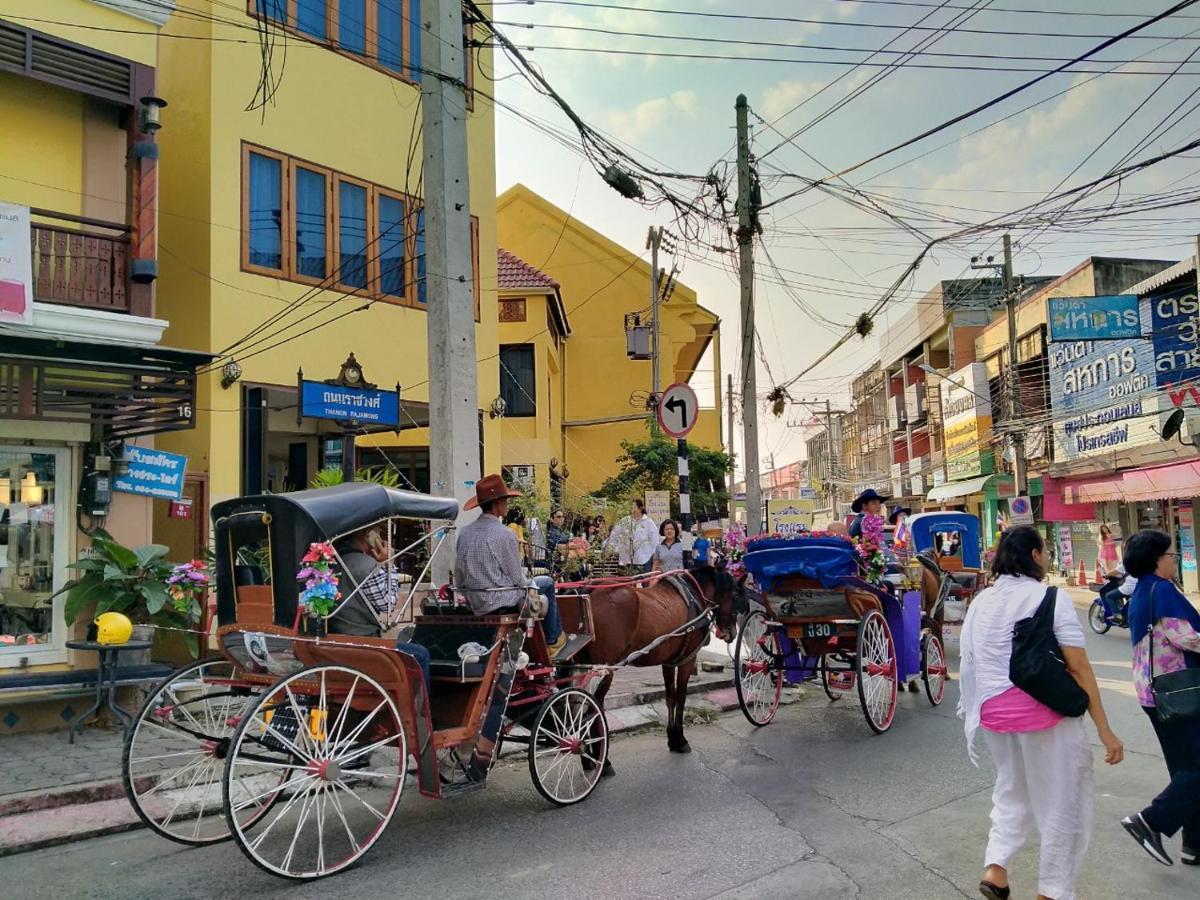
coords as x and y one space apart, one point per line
332 111
47 172
601 282
104 28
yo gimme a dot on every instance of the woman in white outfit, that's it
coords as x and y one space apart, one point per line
1043 760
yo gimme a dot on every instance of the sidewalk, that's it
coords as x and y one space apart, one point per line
52 792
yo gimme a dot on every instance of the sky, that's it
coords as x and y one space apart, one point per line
831 259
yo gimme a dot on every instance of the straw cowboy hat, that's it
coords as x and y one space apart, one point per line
489 488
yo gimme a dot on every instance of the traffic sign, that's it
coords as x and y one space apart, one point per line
678 410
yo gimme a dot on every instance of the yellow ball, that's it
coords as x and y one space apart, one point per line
113 628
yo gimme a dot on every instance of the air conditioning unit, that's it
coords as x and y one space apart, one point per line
897 417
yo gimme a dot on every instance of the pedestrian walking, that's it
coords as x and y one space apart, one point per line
668 555
1165 629
1043 759
632 539
1106 546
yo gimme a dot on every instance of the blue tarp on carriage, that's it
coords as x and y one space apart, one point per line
827 560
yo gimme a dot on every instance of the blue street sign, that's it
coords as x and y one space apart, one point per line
331 401
151 473
1094 318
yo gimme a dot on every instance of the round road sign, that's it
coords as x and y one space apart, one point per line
678 410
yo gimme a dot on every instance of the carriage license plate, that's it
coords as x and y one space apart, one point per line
818 630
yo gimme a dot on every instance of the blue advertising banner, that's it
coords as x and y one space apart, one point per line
331 401
151 473
1175 323
1093 318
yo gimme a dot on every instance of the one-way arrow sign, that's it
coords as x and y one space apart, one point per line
678 410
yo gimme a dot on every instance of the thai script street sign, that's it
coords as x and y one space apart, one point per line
319 400
151 473
1093 318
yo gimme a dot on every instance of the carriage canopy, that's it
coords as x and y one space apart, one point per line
925 527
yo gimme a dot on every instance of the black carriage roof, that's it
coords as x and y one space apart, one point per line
343 508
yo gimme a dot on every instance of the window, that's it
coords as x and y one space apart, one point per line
352 26
389 33
263 212
310 17
310 224
518 382
512 309
311 243
275 10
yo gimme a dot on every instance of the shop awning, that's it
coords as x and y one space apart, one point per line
1100 491
953 489
1163 482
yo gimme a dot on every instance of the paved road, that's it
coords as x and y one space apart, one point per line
812 806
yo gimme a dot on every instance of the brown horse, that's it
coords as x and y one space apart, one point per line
629 617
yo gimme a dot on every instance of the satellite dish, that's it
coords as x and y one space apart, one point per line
1172 425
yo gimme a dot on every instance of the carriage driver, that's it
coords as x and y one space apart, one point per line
487 564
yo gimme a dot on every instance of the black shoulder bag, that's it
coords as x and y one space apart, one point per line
1176 694
1037 666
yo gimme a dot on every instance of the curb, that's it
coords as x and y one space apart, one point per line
36 820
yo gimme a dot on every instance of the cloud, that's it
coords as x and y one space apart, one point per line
632 124
782 96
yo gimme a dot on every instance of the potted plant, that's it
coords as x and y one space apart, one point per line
137 581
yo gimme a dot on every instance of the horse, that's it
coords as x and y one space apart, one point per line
629 617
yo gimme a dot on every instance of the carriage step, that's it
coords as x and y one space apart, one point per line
572 646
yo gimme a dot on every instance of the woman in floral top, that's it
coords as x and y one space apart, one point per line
1158 612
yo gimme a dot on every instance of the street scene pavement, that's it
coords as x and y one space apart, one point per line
812 805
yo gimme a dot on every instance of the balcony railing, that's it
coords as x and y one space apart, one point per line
85 263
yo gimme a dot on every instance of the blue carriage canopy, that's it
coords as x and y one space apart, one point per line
828 560
284 525
924 527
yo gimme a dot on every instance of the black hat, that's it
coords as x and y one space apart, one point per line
866 496
896 512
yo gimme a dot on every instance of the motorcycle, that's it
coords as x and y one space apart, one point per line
1104 613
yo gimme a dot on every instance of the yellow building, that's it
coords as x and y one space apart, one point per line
603 395
83 368
292 234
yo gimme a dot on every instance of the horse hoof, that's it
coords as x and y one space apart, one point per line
608 771
685 747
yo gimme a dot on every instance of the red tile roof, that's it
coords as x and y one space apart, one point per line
514 273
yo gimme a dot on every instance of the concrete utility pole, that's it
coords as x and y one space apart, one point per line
747 213
450 307
832 460
1011 299
653 242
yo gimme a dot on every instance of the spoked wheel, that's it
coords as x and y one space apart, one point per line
933 668
758 669
568 745
336 733
836 682
1097 618
174 755
876 671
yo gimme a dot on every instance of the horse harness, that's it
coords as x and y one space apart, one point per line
698 610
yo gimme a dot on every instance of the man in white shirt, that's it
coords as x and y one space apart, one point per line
633 538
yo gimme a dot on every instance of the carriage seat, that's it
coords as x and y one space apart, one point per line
442 640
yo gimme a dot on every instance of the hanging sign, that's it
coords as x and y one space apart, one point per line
678 410
1094 318
16 265
180 509
319 400
151 473
658 506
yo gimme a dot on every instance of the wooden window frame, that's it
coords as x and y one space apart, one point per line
524 301
294 273
285 214
532 348
408 297
338 179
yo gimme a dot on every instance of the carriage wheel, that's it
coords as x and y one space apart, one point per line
836 682
876 671
175 753
337 734
568 745
933 668
758 669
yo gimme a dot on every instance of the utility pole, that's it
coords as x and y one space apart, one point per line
832 466
450 308
729 416
1011 299
653 242
747 215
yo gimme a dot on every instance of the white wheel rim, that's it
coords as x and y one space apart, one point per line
935 669
877 671
1098 618
759 683
568 746
328 812
174 759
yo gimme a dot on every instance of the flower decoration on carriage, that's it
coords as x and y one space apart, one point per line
869 545
320 594
735 548
186 586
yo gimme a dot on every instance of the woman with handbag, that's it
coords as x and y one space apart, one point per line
1039 745
1165 629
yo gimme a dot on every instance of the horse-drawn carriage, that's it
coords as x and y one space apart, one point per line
929 532
297 743
815 617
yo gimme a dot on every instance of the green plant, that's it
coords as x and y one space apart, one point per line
332 475
127 580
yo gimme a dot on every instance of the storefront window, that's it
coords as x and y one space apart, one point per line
32 550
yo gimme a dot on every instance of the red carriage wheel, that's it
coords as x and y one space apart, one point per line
876 663
933 668
758 668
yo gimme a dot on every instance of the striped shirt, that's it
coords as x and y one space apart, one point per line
486 556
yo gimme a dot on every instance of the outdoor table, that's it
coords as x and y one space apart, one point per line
106 676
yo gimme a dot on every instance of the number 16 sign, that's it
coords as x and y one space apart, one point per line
678 410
